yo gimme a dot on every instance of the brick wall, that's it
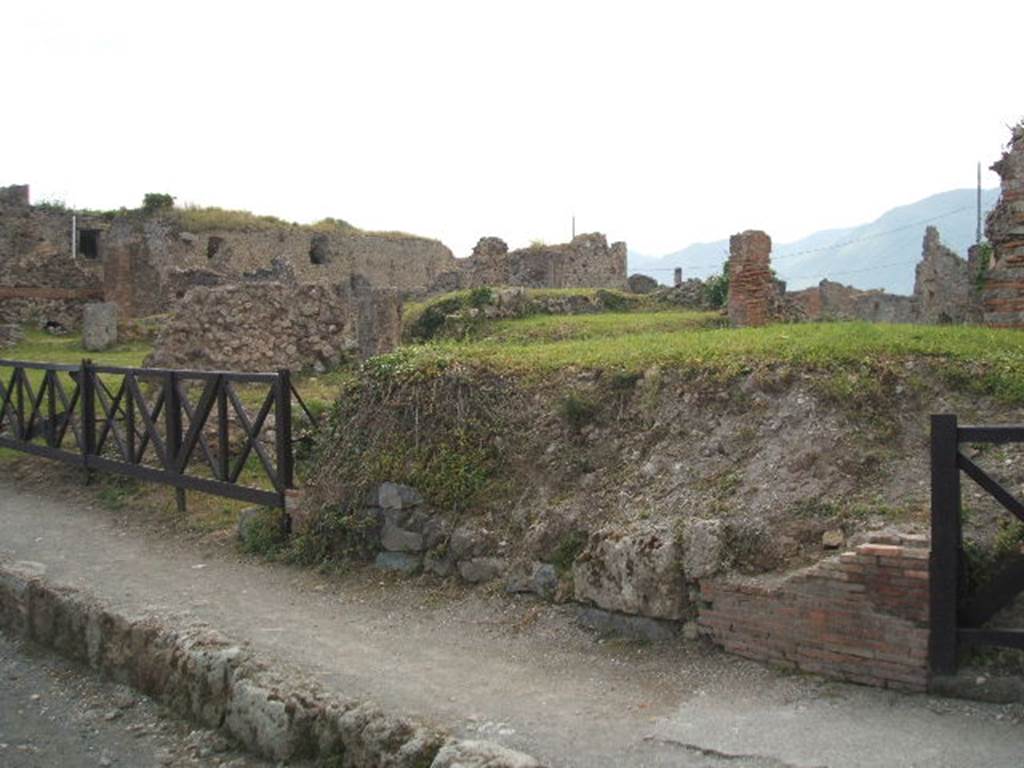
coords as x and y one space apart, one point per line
1003 288
860 617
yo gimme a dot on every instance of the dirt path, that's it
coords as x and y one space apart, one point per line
512 670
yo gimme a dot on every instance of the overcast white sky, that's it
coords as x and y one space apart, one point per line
658 123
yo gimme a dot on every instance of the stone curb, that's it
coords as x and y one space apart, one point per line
204 677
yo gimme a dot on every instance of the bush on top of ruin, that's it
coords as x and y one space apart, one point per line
199 219
157 201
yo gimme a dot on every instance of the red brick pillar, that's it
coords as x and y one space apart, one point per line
1002 294
751 287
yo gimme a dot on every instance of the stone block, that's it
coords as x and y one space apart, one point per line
638 573
396 496
99 326
395 539
399 562
636 627
482 569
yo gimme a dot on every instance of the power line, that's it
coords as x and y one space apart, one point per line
834 246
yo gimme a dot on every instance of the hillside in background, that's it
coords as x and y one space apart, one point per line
881 254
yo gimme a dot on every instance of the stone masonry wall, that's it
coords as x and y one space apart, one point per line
943 289
41 280
586 262
861 617
266 326
1003 288
751 285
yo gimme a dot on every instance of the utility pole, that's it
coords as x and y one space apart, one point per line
977 234
574 226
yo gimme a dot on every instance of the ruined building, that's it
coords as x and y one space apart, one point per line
945 290
53 260
1002 292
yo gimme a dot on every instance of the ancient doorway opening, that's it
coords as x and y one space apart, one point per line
89 243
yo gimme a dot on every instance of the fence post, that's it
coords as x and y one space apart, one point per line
87 393
944 562
172 420
283 429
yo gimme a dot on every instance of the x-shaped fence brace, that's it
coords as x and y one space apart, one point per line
162 436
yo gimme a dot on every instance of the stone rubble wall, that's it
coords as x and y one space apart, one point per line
1003 285
267 326
944 289
586 262
861 616
41 280
219 684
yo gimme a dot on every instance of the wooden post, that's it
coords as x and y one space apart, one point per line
87 393
172 419
223 441
283 428
944 563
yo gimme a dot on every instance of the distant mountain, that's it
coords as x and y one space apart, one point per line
881 254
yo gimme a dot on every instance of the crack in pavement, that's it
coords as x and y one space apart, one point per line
773 762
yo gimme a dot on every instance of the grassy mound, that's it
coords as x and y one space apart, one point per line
545 428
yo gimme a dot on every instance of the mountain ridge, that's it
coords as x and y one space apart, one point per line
882 253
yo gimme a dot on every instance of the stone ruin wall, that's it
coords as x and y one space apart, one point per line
1003 286
41 280
270 325
585 262
944 290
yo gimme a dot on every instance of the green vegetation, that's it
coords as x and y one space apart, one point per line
424 321
716 288
157 201
972 358
578 409
548 328
266 533
196 219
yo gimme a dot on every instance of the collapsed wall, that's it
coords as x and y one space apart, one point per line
266 326
585 262
1003 284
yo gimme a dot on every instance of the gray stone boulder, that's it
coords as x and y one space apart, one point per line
532 577
99 326
482 569
703 542
395 496
399 562
480 754
636 573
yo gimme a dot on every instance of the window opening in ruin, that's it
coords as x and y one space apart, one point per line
318 250
213 246
89 243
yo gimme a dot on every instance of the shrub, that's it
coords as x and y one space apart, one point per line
578 409
156 201
716 289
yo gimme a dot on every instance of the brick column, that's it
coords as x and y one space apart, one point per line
751 287
1002 294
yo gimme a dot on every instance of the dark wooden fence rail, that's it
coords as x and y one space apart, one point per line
958 618
187 429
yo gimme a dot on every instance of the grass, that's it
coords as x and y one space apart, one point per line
984 360
548 328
